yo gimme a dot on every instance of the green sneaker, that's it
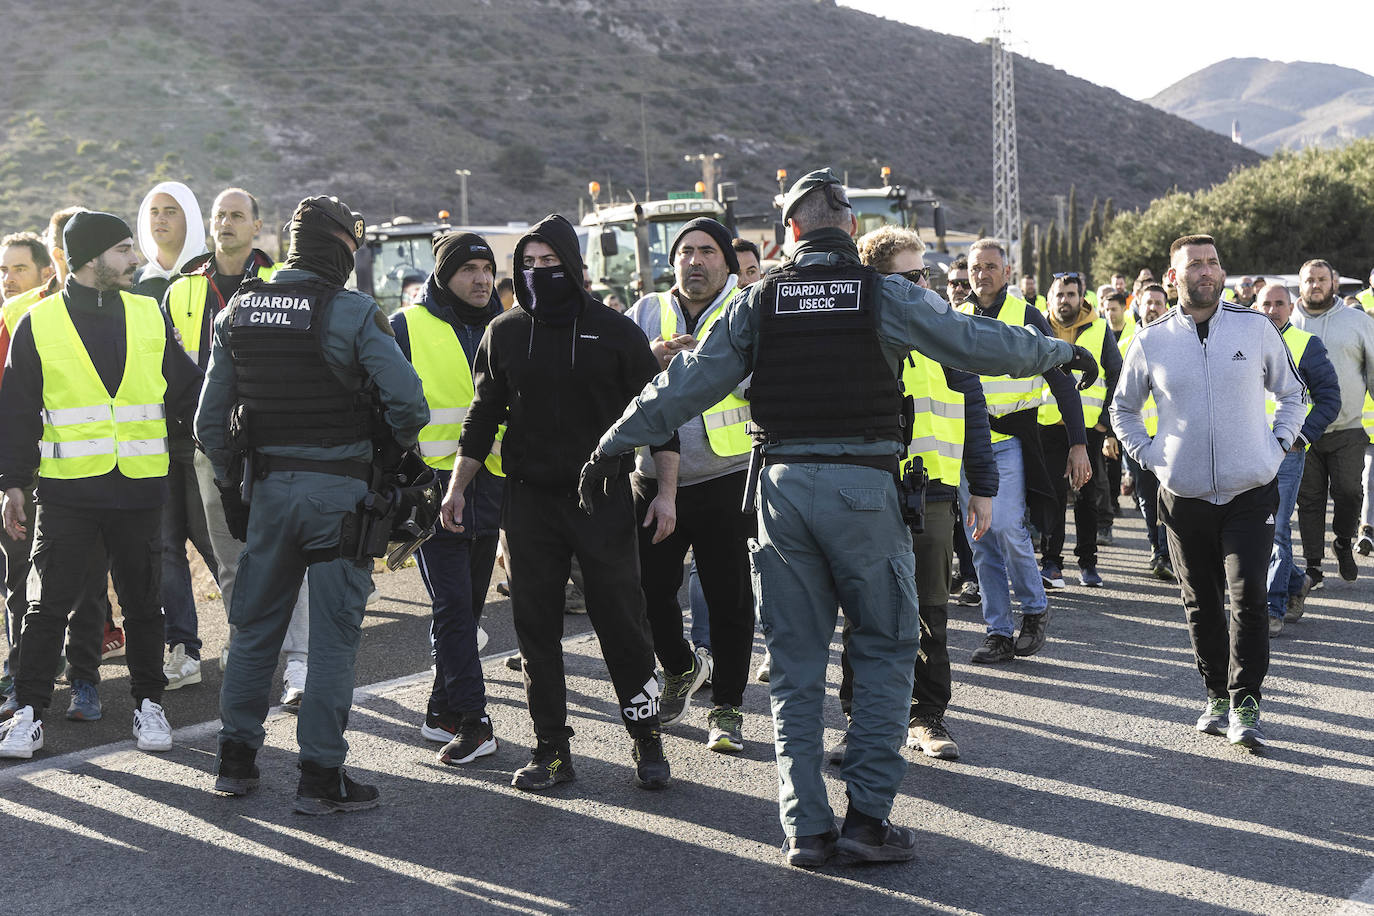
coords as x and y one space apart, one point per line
678 689
1244 730
1215 716
726 724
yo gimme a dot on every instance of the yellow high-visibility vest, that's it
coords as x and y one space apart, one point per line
186 307
1296 341
19 306
446 378
1094 340
937 428
86 432
1004 394
726 422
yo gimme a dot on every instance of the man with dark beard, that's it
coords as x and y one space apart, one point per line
1335 462
440 335
558 370
1216 458
95 380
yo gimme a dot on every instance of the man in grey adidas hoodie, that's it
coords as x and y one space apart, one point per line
1208 365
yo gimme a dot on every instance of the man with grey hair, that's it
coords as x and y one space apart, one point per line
825 338
1335 464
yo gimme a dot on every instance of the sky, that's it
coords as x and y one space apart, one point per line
1092 39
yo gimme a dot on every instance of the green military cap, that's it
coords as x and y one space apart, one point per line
814 181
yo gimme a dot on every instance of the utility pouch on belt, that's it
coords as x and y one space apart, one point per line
911 490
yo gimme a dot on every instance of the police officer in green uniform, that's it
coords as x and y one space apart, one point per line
297 366
825 338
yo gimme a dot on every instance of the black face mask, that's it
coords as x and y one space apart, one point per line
554 298
330 257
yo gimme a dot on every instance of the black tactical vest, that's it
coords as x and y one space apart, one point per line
820 372
287 394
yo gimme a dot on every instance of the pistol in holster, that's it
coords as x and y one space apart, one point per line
911 490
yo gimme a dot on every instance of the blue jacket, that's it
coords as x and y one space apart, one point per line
482 501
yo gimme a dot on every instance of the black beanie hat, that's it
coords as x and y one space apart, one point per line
455 249
89 234
716 231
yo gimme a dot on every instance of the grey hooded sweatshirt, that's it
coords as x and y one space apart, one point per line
1349 337
1213 441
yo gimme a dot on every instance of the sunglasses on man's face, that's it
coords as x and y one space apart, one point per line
961 284
916 276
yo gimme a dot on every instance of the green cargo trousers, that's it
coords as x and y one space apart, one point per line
832 535
292 512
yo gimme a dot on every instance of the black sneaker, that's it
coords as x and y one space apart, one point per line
236 770
811 851
1314 578
440 724
969 596
1345 559
549 765
1104 537
1365 545
864 840
474 739
651 767
996 648
324 790
1032 638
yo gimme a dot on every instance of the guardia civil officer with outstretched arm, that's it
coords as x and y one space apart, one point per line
825 338
297 367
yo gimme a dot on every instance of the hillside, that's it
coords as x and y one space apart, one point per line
379 103
1278 105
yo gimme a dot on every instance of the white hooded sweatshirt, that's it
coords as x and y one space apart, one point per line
195 231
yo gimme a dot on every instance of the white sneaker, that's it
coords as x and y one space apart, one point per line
181 670
482 638
223 659
21 734
151 728
293 684
375 597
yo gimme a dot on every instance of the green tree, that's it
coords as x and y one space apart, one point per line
1027 248
1072 260
1269 218
1042 255
1055 254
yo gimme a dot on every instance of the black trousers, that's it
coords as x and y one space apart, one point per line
934 549
544 530
710 522
1055 440
1335 463
1216 549
72 549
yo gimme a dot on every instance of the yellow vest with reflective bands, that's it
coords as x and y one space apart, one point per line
726 422
446 377
1366 299
86 432
1368 417
1297 345
937 429
1094 340
19 306
186 307
1004 394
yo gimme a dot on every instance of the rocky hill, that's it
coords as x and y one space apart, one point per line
1277 105
379 103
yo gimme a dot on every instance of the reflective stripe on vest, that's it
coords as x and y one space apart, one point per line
1297 345
86 432
1368 417
19 306
1149 413
1004 394
186 307
726 423
937 427
1094 340
446 377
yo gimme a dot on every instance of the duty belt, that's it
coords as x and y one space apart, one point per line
358 470
889 463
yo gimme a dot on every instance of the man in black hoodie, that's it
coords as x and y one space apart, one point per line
558 370
440 335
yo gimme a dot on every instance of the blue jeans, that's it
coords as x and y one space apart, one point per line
1005 557
696 603
183 519
830 536
1285 576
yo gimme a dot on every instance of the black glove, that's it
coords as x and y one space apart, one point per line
235 511
1082 362
595 478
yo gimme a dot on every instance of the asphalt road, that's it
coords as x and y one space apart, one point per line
1083 788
